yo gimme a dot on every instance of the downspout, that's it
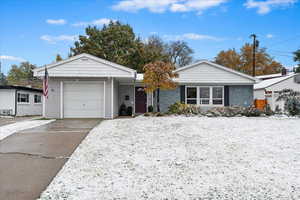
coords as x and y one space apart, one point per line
134 81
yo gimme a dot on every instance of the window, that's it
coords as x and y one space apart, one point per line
191 95
204 95
23 98
217 95
37 98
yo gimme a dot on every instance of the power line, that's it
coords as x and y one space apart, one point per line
284 55
279 51
285 40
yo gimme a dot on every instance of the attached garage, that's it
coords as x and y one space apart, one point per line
83 86
83 99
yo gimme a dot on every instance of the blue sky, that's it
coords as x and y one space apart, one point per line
36 30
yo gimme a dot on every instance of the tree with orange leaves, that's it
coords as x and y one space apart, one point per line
242 60
159 75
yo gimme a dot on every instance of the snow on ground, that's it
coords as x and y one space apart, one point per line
184 158
9 129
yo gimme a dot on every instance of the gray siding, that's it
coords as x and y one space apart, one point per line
116 98
168 97
123 91
240 95
52 104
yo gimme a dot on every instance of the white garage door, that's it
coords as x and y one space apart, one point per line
83 99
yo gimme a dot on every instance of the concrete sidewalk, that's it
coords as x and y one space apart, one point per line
11 120
30 159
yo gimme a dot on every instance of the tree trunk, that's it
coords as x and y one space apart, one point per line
157 101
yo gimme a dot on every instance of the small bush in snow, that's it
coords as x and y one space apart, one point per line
292 106
181 108
230 111
291 101
252 112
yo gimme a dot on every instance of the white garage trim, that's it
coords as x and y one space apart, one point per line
104 91
112 98
61 99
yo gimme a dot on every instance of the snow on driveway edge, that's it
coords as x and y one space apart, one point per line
10 129
70 160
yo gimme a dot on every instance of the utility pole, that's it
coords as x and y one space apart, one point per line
255 44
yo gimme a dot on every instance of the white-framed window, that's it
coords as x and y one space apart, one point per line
217 95
191 95
23 98
205 95
37 98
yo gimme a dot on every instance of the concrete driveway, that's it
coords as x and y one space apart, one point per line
30 159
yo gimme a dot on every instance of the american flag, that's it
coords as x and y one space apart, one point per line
45 84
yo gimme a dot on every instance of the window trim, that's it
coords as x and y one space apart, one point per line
212 98
210 95
24 103
197 95
34 99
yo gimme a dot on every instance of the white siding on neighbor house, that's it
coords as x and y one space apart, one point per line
85 67
7 100
259 94
206 73
286 84
30 108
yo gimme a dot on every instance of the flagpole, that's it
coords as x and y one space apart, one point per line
44 106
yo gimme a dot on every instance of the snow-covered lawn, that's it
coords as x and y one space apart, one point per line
184 158
9 129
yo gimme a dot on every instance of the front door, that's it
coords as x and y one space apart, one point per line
140 100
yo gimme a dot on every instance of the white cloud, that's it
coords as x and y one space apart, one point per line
56 21
97 22
264 7
191 36
54 39
160 6
12 58
269 36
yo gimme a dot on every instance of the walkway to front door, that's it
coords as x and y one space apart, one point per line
140 100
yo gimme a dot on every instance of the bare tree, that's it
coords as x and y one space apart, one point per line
180 53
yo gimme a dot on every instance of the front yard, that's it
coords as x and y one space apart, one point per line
184 158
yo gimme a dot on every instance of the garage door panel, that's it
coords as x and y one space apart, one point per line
84 100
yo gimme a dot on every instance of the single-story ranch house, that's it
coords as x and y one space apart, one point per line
85 86
20 101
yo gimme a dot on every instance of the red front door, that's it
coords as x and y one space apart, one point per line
140 100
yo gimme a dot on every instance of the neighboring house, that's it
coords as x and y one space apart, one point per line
268 89
85 86
271 76
20 101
